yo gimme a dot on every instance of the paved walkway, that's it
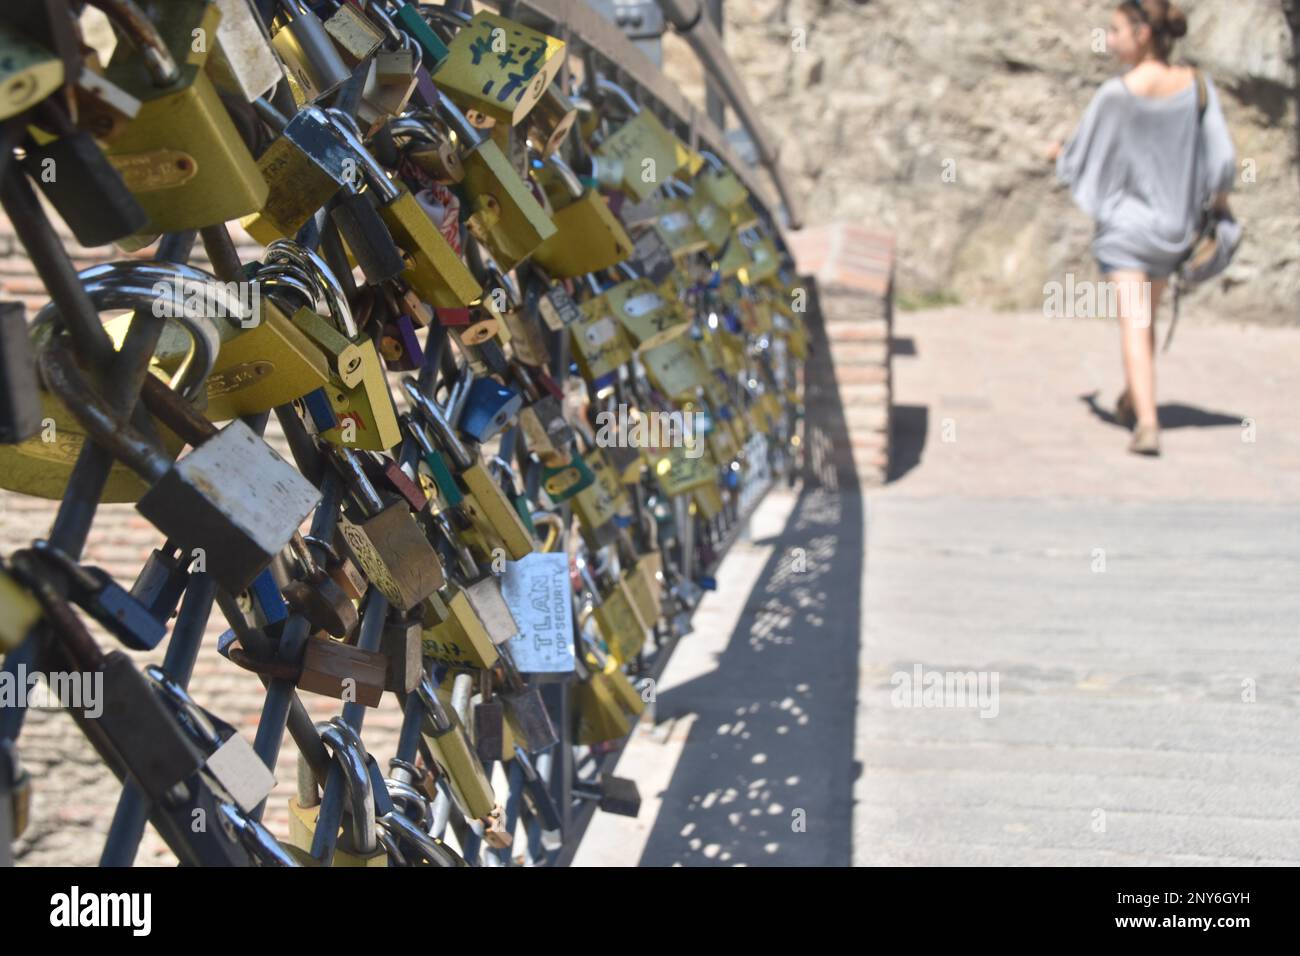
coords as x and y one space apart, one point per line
1138 617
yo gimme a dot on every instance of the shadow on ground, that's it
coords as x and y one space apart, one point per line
766 774
1172 415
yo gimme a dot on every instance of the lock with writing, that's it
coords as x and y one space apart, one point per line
499 68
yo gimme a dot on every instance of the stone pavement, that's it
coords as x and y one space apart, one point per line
1138 617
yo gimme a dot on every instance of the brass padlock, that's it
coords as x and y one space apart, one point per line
588 236
599 344
674 366
181 156
454 634
499 68
445 735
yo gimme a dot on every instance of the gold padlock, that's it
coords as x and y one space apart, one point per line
181 155
455 635
366 414
499 68
599 344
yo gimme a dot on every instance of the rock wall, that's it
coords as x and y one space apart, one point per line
929 118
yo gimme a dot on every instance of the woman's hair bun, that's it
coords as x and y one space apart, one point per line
1175 21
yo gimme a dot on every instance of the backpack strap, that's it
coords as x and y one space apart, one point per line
1202 95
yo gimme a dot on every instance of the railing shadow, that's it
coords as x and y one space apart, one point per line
767 771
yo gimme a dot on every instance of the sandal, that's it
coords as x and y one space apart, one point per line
1124 413
1146 440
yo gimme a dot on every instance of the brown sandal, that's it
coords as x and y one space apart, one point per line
1124 413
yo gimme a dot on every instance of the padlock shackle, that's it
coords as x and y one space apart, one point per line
144 36
103 425
325 286
344 129
433 705
605 85
351 757
354 475
134 286
567 176
459 123
442 428
256 839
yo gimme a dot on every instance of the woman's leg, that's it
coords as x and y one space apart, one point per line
1135 300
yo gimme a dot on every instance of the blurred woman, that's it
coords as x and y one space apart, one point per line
1143 163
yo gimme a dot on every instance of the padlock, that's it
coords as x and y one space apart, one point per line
676 224
161 582
408 18
566 478
504 215
489 409
540 596
343 671
355 36
85 189
588 236
234 764
434 271
430 148
601 503
304 167
244 62
20 613
358 838
28 72
484 503
546 431
94 591
387 544
390 82
649 153
313 63
449 745
265 361
599 344
557 309
499 68
647 315
550 120
674 366
619 623
181 156
366 414
401 641
232 496
720 184
605 706
454 633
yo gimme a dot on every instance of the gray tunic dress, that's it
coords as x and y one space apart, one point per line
1138 168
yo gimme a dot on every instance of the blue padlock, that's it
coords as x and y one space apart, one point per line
489 408
266 593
